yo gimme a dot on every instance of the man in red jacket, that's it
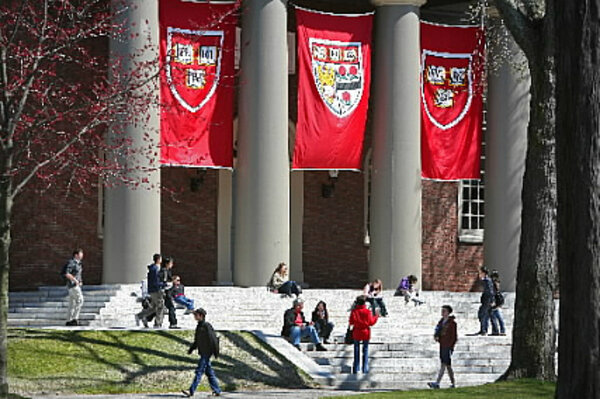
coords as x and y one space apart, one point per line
445 334
362 319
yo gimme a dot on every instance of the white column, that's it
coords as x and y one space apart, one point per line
224 217
296 225
132 216
395 249
262 210
506 147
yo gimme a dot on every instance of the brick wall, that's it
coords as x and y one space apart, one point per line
333 250
447 264
46 228
189 224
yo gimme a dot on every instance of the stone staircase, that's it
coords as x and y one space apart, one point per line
48 305
402 351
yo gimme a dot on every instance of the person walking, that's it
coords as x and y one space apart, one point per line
155 290
166 276
295 326
445 334
361 320
207 344
72 273
497 318
487 300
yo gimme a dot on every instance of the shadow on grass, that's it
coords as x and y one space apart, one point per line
233 368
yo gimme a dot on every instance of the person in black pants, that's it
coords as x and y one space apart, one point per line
166 276
320 316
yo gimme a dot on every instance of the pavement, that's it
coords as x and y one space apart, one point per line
289 394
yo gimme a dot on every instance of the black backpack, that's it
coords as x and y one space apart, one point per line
499 299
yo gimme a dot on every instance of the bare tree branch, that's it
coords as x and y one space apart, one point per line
523 29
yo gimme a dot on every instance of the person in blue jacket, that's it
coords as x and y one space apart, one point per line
156 291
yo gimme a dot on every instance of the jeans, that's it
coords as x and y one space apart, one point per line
75 302
289 288
497 320
306 331
378 303
484 314
204 367
185 301
365 354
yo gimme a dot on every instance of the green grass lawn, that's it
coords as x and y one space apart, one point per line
523 389
53 361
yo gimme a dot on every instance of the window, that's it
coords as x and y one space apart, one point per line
471 201
471 211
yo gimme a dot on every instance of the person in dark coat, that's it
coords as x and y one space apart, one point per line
487 300
207 344
361 320
445 334
320 318
295 326
166 276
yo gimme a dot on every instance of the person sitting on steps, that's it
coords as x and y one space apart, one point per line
177 292
280 282
320 318
295 326
407 289
374 293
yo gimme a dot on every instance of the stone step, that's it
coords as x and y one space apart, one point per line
49 316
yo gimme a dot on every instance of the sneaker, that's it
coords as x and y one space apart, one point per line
71 323
187 394
215 394
174 327
433 385
452 386
321 348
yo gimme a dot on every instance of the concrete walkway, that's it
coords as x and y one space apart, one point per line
290 394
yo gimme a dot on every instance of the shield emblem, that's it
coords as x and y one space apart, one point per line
193 65
446 87
338 74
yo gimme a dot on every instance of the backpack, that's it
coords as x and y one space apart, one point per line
499 299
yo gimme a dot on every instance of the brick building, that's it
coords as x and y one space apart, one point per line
227 227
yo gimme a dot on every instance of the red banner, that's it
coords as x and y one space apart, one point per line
197 81
452 106
334 74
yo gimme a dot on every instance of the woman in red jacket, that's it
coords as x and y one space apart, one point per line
362 319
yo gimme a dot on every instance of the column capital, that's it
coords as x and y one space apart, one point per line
417 3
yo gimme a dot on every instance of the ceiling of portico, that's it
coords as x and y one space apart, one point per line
441 11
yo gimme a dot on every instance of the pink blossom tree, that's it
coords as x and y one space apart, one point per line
59 94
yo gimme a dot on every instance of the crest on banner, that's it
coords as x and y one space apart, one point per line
446 87
338 73
193 65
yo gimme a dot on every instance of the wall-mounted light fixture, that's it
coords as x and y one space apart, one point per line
197 180
328 189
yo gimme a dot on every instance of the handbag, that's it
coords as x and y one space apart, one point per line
348 338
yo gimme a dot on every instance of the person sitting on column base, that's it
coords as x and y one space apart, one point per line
295 326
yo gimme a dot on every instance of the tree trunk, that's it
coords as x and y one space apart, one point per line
534 341
578 157
5 239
